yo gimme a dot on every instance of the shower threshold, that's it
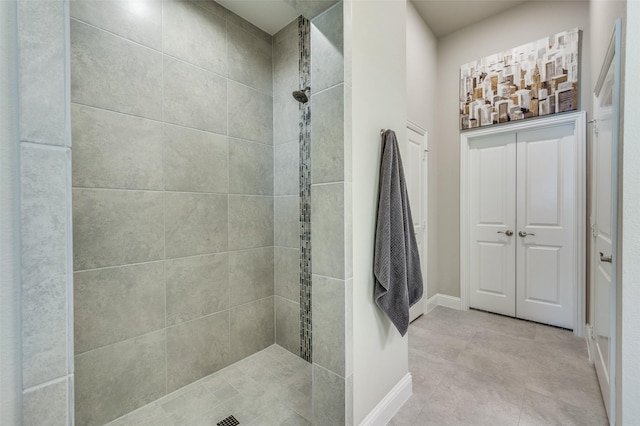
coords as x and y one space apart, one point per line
270 387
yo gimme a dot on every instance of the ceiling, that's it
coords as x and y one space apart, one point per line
268 15
442 16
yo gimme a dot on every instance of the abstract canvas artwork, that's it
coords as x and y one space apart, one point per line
531 80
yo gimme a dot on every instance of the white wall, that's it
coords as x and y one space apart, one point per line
379 101
519 25
422 51
630 254
10 342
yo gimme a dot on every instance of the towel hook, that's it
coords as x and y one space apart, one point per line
382 131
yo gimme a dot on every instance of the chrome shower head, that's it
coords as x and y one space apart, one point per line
302 96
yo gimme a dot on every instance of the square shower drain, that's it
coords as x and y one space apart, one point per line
229 421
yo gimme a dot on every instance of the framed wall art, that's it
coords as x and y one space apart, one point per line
535 79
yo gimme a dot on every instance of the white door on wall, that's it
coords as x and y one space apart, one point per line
492 266
522 233
604 208
546 229
415 167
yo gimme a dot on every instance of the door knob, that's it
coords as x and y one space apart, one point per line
508 232
524 234
604 258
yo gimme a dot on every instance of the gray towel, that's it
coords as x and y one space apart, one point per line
396 260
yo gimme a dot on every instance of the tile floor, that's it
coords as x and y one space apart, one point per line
475 368
271 387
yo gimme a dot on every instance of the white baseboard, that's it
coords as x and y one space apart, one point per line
431 303
450 302
390 404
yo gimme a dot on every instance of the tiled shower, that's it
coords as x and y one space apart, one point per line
170 251
185 197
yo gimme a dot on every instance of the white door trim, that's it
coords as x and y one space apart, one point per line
578 119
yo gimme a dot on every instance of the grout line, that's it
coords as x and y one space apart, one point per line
327 89
47 383
165 329
172 191
227 252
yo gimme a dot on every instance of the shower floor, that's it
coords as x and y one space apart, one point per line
270 387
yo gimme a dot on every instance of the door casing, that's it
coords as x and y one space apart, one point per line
578 119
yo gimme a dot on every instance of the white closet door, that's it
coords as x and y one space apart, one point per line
415 173
492 217
546 237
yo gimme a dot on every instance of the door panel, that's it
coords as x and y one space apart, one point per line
546 207
492 214
415 173
542 283
604 205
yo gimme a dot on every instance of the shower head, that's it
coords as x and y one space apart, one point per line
301 96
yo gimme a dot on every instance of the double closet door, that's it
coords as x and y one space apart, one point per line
522 223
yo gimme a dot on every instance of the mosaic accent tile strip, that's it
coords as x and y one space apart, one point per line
304 41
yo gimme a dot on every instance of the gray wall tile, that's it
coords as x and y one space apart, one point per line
250 275
328 397
112 150
348 324
348 409
250 114
348 230
195 224
327 46
46 405
329 323
247 26
252 328
113 227
194 97
287 221
196 349
287 273
119 378
213 7
250 168
115 304
287 169
195 161
120 17
328 229
327 136
288 324
250 222
107 70
194 35
347 42
286 118
348 165
249 59
285 60
196 286
45 260
42 76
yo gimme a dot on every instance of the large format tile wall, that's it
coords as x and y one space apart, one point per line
45 180
172 125
286 157
332 295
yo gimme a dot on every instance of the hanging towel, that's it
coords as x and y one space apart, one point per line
396 260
